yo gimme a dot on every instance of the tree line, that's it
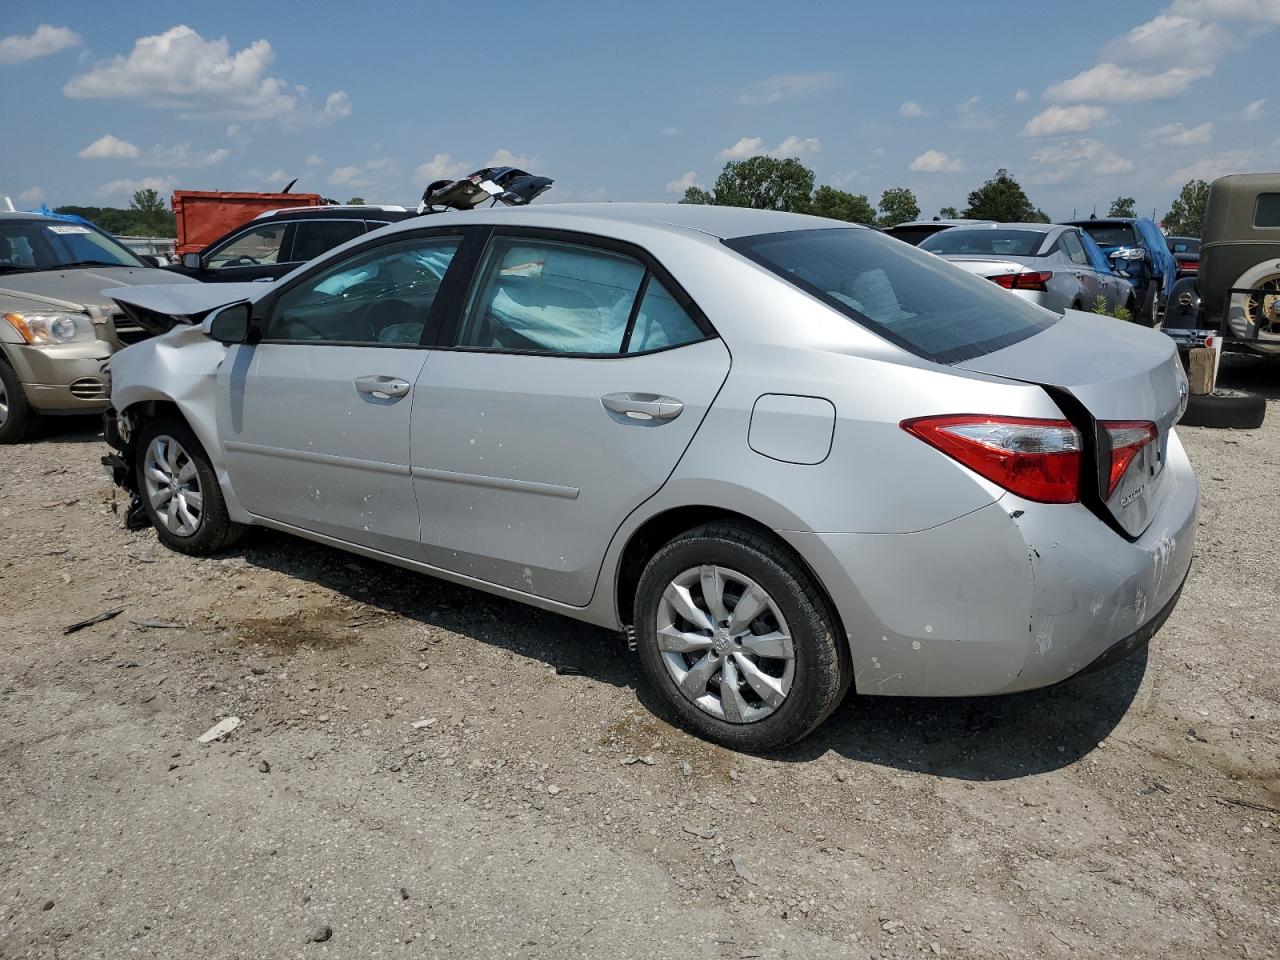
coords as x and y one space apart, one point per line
146 216
769 183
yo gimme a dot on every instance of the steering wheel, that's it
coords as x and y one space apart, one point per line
244 260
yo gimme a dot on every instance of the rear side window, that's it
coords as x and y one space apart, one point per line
1075 251
918 301
314 237
548 296
1267 212
961 241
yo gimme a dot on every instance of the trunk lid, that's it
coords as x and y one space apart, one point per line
987 266
1100 369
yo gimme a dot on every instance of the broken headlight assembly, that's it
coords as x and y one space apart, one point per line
46 329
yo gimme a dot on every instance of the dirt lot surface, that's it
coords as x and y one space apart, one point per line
425 771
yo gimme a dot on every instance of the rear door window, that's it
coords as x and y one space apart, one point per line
314 237
911 298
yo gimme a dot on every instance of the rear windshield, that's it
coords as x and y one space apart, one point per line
1183 245
1110 234
1009 243
916 300
913 235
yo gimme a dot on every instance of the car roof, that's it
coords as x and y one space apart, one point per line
23 215
988 225
719 222
1085 223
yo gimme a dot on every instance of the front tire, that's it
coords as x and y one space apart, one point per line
738 639
18 421
180 491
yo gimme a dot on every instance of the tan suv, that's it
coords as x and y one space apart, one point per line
57 330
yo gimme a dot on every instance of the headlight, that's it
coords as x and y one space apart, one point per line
42 329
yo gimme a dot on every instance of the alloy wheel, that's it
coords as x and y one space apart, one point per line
4 404
173 486
725 643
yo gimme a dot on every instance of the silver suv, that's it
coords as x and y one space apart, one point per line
56 328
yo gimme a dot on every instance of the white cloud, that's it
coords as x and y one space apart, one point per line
376 172
109 148
181 70
1108 82
784 85
503 157
1254 111
879 152
440 167
797 147
1168 38
1257 11
126 188
47 40
1178 135
1021 96
911 108
1210 168
314 160
683 183
1056 121
970 116
1060 160
181 156
745 147
34 195
670 132
935 161
793 146
275 180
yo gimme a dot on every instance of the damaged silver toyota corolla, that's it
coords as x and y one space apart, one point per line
784 455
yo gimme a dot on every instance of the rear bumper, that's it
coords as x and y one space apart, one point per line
1013 596
68 378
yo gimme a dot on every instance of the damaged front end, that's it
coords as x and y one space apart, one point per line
119 430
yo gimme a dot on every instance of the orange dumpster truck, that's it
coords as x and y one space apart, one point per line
206 215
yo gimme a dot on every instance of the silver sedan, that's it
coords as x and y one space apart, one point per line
1059 268
785 456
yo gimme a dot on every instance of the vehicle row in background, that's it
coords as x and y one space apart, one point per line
1138 251
1057 267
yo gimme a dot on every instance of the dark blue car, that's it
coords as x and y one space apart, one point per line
1139 252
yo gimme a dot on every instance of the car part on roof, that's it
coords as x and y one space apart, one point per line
510 185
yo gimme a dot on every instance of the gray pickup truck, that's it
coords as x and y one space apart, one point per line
57 330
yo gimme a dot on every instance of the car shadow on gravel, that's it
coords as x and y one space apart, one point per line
979 738
75 429
1260 375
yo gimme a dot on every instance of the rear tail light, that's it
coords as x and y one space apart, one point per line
1036 459
1027 280
1128 437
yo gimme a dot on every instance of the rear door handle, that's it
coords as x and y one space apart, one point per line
382 388
642 406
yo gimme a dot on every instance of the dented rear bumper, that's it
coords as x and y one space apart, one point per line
1013 596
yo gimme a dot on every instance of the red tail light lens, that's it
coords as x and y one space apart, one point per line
1027 280
1036 459
1128 437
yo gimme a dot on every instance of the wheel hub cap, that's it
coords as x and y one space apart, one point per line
725 644
172 486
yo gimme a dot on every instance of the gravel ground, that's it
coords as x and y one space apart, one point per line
426 771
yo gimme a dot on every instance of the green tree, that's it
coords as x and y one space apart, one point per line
1186 214
898 205
1123 207
147 201
697 195
948 213
1002 199
356 202
839 205
765 183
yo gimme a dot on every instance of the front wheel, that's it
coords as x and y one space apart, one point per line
17 420
180 491
738 639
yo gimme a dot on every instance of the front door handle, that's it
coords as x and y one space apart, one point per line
382 388
642 406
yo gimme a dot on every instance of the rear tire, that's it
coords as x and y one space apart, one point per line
18 420
789 666
180 491
1150 304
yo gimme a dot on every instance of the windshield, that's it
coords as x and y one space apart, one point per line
1110 234
46 244
918 301
1183 245
1008 243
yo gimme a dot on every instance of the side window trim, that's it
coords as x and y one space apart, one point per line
452 328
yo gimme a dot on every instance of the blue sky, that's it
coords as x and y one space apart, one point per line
1082 101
